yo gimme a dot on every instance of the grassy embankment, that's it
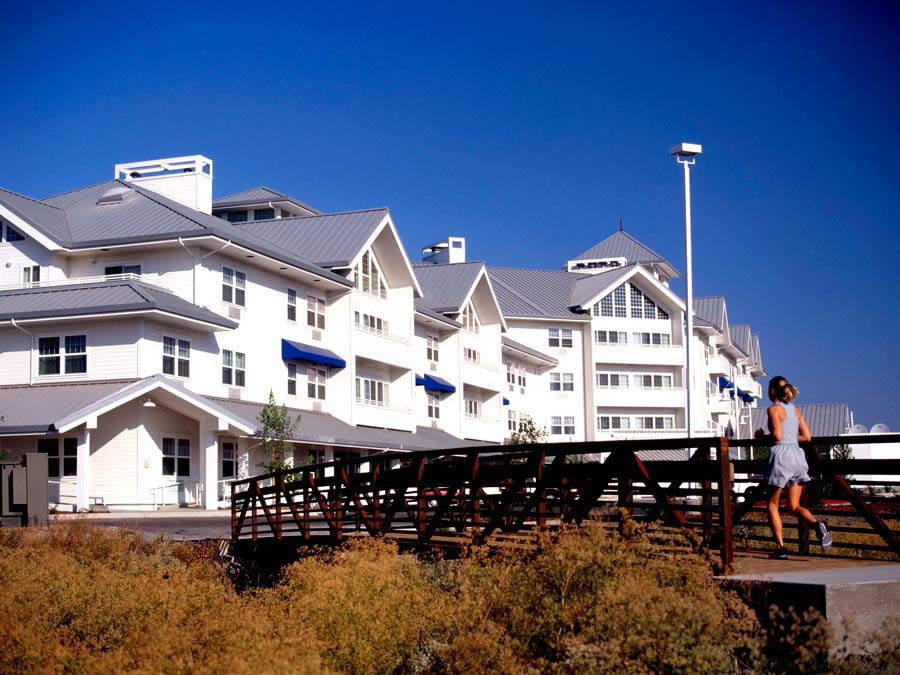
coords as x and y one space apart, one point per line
83 599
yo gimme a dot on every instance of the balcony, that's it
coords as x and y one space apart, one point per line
483 376
381 346
650 355
373 413
621 397
74 281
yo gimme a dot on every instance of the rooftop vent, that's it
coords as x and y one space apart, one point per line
451 250
115 195
880 429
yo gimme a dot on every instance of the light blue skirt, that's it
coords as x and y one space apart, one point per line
787 466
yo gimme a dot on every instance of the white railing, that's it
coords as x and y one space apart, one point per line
193 490
380 404
634 344
68 490
381 333
86 280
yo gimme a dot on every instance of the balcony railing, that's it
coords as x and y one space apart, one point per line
73 281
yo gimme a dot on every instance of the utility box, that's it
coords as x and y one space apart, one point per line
23 492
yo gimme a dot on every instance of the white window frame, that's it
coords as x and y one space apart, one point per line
229 463
234 286
62 462
434 405
370 323
31 276
316 379
370 391
291 379
473 408
292 305
176 356
469 319
234 368
5 229
127 268
62 355
562 382
177 458
315 312
432 348
471 355
368 276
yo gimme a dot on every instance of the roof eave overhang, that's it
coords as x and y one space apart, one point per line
106 313
28 228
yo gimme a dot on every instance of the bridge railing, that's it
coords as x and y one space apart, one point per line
494 493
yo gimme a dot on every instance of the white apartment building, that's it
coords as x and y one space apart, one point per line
144 324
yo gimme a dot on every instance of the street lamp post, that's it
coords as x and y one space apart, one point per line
685 154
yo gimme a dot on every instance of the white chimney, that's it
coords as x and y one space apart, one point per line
452 250
186 180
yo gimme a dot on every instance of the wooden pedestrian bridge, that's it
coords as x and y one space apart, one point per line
702 492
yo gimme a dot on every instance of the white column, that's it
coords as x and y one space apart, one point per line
83 501
209 463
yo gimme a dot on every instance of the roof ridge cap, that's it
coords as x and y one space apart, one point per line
147 193
68 192
31 199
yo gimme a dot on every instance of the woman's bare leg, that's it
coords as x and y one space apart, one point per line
793 503
774 516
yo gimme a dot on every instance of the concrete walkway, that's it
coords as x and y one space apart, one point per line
180 525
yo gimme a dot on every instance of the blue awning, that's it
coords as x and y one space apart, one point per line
725 383
435 383
505 401
745 395
420 381
297 351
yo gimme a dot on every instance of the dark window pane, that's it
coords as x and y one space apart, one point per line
168 467
184 447
292 387
70 466
168 365
53 467
226 375
184 466
184 368
48 345
239 378
48 365
76 364
239 297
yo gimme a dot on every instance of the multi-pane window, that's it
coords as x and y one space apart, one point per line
237 217
59 465
619 301
611 380
117 270
431 348
315 383
292 379
291 304
610 337
521 376
176 457
315 312
652 339
472 355
370 322
562 426
234 368
9 233
52 362
511 424
31 275
176 356
469 319
653 381
263 214
229 459
510 375
606 422
368 278
654 422
234 287
473 407
371 392
560 337
637 304
562 382
434 405
642 307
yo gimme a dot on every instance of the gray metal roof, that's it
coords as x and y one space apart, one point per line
431 314
535 293
823 419
587 287
260 195
49 219
44 408
33 409
525 349
622 245
332 240
144 215
740 337
324 429
446 287
100 298
711 310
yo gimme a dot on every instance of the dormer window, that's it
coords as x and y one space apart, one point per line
263 214
469 319
236 216
9 234
368 278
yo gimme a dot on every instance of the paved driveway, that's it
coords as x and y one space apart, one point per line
184 524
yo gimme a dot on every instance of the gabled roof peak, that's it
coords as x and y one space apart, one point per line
621 244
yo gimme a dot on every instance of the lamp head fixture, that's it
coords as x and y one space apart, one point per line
686 149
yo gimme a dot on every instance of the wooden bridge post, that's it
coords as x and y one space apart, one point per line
725 504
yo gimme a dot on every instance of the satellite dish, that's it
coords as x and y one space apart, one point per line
858 429
880 429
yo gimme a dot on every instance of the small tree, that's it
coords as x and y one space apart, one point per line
277 429
528 432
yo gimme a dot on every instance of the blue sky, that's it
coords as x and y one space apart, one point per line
529 129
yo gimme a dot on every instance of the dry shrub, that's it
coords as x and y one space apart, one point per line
99 600
372 610
879 656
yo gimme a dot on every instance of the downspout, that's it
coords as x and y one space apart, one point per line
30 353
197 260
